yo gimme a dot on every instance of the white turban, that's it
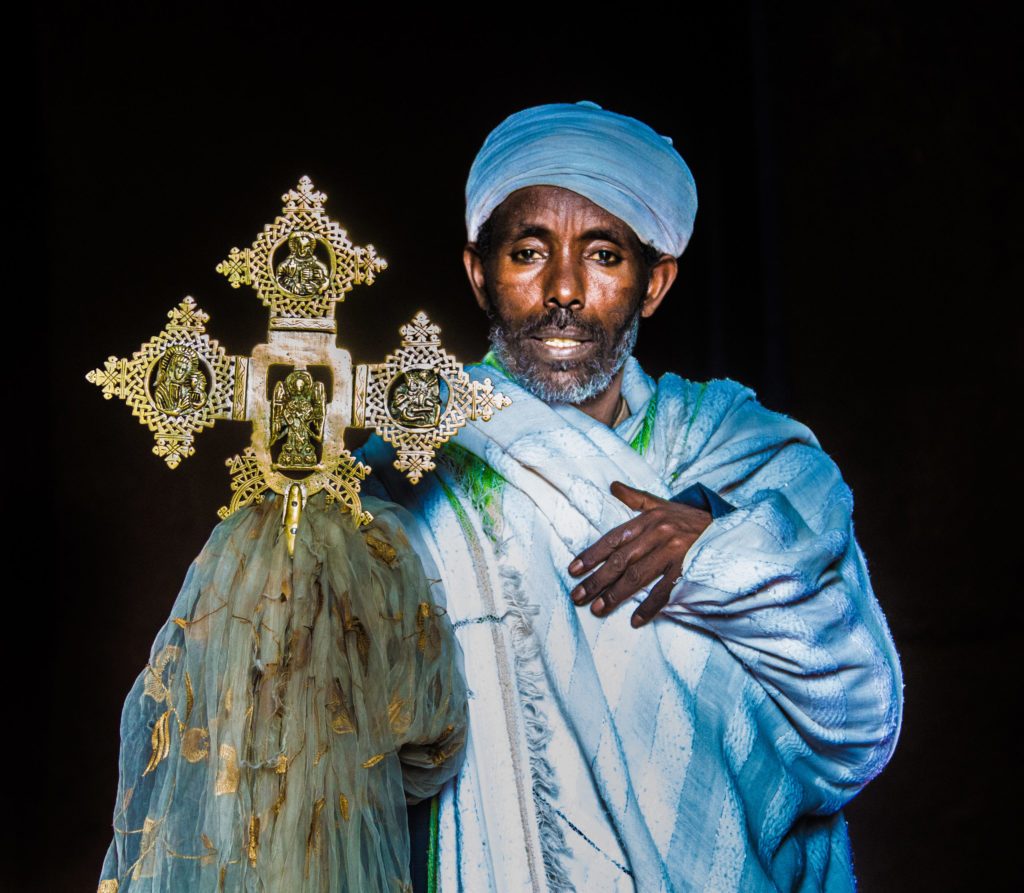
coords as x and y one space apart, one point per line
617 162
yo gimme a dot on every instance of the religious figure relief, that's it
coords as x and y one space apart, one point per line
297 414
180 385
301 273
416 399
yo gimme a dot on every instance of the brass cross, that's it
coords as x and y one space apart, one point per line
299 390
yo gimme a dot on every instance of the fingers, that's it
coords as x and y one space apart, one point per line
614 539
638 500
621 563
657 600
632 580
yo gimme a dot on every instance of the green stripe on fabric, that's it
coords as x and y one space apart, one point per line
432 846
481 484
643 436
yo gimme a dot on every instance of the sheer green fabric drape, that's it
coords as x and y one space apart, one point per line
289 709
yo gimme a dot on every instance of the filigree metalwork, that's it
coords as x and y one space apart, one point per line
177 383
302 263
420 396
299 390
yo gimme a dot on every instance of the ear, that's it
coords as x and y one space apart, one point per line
663 274
474 265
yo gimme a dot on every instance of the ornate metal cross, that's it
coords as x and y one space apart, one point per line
299 390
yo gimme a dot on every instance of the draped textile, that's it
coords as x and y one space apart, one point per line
289 709
711 749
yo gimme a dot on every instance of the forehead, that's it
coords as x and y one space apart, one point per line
562 211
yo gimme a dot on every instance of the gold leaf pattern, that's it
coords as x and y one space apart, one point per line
399 715
381 549
343 806
337 708
211 851
195 744
182 622
254 839
108 886
313 840
160 741
154 685
227 771
282 764
190 699
374 760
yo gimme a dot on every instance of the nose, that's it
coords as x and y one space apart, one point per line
564 282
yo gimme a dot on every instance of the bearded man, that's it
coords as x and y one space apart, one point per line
707 737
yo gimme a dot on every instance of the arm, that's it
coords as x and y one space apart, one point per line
782 583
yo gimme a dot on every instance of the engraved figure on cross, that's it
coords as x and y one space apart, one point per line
180 385
301 273
416 399
297 413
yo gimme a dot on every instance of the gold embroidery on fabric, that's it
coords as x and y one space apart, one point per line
381 549
147 850
160 741
189 696
428 638
228 699
223 875
343 806
282 764
354 624
399 715
211 850
154 685
107 887
374 760
442 751
282 792
320 754
227 771
195 744
313 840
341 719
254 839
182 622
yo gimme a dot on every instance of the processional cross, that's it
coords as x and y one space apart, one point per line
300 390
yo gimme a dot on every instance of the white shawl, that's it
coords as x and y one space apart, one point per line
720 740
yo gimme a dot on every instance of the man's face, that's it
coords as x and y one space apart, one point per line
565 284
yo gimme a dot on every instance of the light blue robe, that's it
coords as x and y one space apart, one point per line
712 749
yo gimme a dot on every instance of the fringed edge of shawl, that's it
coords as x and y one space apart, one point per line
538 734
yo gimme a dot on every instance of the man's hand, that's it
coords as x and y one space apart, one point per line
651 545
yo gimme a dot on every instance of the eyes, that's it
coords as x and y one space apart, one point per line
606 257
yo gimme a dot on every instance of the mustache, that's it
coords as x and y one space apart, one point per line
559 318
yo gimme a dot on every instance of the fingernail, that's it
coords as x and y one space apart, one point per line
598 606
576 566
636 620
577 593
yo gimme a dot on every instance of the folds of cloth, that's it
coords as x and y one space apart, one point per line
289 710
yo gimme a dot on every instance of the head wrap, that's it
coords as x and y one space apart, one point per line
617 162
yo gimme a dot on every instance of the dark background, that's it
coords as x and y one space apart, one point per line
851 262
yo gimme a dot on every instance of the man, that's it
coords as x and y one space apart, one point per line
707 736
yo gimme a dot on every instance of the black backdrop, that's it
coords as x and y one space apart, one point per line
851 262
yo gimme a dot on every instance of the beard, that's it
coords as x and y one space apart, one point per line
570 380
